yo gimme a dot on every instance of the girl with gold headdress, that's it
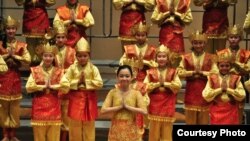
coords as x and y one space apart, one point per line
224 91
64 58
82 79
194 68
15 55
43 84
133 12
163 83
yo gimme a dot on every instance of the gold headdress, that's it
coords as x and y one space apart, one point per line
59 28
47 48
235 30
173 57
197 36
82 45
223 56
140 27
9 21
162 48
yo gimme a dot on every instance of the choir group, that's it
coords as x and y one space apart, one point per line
63 82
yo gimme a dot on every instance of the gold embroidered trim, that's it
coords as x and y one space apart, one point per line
196 108
161 119
126 39
11 97
45 123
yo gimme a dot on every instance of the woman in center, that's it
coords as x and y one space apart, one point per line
124 102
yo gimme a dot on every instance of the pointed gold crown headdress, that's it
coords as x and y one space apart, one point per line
235 30
223 56
60 28
82 45
140 27
9 21
173 57
47 42
197 36
47 48
162 48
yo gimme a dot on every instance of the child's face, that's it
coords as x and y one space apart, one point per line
162 59
198 46
224 67
141 37
82 58
48 59
234 40
61 39
10 31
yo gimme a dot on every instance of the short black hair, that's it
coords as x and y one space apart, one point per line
122 67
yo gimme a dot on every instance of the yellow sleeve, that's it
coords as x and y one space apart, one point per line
174 85
3 65
64 84
159 17
73 81
239 92
31 85
118 4
182 72
186 18
209 93
25 58
243 67
87 21
140 101
96 82
58 20
148 4
108 100
247 85
150 86
151 63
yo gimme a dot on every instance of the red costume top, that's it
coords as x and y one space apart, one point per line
132 54
46 108
35 17
193 94
172 24
76 30
132 13
224 112
10 82
68 58
162 102
215 19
